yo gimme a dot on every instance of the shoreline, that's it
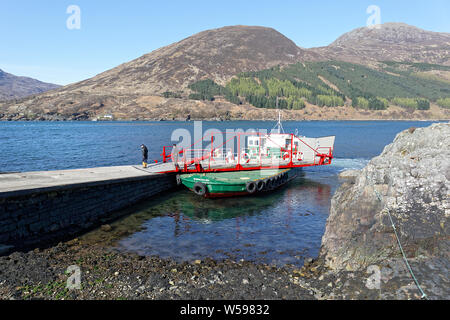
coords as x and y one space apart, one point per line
108 274
190 110
233 120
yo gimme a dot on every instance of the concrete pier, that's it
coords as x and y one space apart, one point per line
41 207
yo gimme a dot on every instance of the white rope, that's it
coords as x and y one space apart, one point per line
424 296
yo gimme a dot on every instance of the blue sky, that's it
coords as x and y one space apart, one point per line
35 41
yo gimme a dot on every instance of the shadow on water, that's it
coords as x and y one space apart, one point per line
279 227
202 209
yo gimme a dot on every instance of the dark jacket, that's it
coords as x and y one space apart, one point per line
144 153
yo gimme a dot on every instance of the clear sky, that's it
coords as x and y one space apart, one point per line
36 42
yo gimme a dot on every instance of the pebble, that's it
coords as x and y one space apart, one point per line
106 228
141 289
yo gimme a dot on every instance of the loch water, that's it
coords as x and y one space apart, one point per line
282 227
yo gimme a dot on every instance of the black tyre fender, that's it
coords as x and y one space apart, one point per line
285 177
178 180
277 181
200 188
260 185
250 187
269 184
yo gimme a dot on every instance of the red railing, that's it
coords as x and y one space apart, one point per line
220 159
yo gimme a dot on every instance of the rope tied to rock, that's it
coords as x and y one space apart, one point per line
424 296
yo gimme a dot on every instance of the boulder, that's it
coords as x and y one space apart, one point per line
409 181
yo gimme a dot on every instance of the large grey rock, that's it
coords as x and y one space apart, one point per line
412 177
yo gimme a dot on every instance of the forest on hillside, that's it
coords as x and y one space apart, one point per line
331 84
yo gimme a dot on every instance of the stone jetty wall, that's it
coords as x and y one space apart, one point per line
37 216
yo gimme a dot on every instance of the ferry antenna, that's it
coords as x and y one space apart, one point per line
278 126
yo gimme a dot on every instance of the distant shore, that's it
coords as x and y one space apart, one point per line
221 120
171 109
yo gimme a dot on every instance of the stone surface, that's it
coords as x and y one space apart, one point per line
40 208
412 178
349 174
21 182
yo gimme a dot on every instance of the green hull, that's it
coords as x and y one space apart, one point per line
226 184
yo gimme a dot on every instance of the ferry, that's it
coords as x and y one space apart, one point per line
238 183
265 162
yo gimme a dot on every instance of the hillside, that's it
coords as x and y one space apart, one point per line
134 89
14 87
391 42
158 85
330 84
216 54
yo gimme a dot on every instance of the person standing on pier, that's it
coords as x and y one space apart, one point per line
175 153
144 155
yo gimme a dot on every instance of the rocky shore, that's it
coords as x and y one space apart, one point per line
110 275
406 186
107 274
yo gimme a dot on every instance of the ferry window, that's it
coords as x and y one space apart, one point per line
256 142
250 142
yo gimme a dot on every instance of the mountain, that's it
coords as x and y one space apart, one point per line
215 54
389 42
134 89
157 85
14 87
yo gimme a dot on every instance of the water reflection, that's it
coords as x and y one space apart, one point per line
279 227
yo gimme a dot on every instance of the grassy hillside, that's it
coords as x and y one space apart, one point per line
332 84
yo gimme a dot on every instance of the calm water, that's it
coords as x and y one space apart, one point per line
283 227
